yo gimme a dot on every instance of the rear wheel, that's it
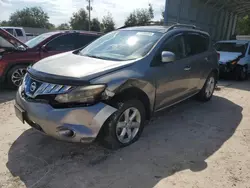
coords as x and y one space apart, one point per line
125 126
241 73
207 91
15 76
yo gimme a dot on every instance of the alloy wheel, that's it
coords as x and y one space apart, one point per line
17 76
210 87
128 125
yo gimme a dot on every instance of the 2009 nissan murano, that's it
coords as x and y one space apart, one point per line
108 89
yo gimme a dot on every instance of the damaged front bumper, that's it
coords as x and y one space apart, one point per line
80 124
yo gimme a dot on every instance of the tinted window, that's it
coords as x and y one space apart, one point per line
19 32
11 31
231 47
63 43
196 44
83 40
175 45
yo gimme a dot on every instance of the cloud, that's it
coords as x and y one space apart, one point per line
60 11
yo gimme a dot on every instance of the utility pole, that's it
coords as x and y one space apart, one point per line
89 8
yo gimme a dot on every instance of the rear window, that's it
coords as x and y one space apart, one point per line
196 44
231 47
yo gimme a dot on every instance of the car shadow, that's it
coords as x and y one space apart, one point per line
7 95
241 85
179 138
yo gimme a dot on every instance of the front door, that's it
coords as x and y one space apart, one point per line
172 79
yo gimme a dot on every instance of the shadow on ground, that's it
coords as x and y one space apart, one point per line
242 85
6 95
180 138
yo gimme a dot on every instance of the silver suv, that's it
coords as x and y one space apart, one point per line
108 89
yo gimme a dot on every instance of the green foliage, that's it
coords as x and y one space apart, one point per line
108 23
4 23
30 17
243 26
79 20
63 26
95 25
140 17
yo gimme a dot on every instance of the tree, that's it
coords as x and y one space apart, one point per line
108 23
4 23
63 26
140 17
95 25
30 17
79 20
243 26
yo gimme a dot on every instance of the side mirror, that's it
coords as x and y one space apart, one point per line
44 48
167 57
21 48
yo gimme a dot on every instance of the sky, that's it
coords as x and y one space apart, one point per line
60 11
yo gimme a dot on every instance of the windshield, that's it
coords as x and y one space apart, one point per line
231 47
122 45
35 41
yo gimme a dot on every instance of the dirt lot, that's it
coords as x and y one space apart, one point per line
189 145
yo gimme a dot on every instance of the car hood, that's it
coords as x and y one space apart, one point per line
6 39
75 66
228 56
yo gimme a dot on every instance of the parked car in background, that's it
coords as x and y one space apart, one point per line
30 36
17 32
234 58
16 56
109 88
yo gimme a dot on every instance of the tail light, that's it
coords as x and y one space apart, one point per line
218 55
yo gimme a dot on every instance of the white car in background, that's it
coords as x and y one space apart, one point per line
234 58
17 32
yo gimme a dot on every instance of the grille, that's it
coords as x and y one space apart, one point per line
34 88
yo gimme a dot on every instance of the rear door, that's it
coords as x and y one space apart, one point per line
60 44
172 79
197 49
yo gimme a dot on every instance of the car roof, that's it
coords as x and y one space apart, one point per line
165 29
234 41
74 31
10 27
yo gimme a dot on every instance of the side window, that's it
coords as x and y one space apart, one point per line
83 39
19 32
196 44
176 45
62 43
11 31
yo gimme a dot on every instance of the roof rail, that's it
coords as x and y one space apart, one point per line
182 25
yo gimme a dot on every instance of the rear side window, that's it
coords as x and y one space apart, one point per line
19 32
196 44
83 39
63 43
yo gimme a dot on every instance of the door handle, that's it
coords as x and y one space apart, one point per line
187 68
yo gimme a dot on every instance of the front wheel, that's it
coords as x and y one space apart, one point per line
125 126
207 91
15 76
241 73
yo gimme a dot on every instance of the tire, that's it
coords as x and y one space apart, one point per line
16 73
241 73
110 138
203 94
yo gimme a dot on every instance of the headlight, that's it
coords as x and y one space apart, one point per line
86 94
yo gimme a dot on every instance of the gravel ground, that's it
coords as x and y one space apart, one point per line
190 145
